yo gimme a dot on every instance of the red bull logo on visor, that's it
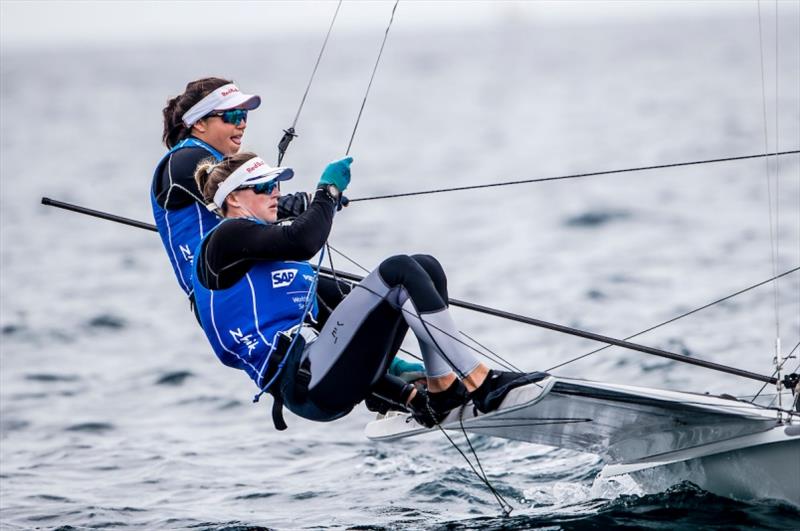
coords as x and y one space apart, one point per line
255 166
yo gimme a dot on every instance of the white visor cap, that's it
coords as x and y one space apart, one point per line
225 97
254 171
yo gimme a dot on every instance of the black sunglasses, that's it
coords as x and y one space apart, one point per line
263 188
231 116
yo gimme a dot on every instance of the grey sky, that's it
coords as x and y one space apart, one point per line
47 23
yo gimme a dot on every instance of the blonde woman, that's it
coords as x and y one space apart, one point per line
255 295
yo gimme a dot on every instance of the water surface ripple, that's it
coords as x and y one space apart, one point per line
115 413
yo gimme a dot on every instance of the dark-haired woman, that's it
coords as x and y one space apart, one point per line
207 121
254 290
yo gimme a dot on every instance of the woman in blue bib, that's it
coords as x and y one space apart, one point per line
208 119
255 294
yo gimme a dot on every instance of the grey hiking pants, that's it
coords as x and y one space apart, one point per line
363 333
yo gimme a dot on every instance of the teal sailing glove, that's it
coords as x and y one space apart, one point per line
406 370
336 173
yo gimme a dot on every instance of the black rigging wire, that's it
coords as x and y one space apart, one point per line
497 358
289 134
772 218
369 85
350 286
463 304
680 316
504 505
590 335
426 324
506 364
777 168
574 176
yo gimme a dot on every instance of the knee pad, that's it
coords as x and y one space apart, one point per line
403 270
435 270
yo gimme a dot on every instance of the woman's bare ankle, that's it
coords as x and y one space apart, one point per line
441 383
411 396
474 379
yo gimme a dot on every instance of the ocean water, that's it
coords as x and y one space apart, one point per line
115 414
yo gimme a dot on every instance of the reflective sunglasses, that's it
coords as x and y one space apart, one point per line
263 188
231 116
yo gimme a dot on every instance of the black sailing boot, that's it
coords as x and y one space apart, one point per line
389 393
496 386
429 409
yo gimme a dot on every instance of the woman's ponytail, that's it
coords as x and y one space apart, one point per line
173 123
209 174
174 128
202 176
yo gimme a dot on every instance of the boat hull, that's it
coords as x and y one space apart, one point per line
658 437
764 465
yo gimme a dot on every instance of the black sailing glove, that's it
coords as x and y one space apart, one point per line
292 205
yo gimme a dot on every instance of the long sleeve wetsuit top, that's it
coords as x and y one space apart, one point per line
236 245
176 187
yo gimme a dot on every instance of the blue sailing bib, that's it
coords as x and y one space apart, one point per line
242 322
182 229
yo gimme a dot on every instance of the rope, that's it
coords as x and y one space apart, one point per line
316 65
574 176
369 85
504 505
310 296
754 286
290 134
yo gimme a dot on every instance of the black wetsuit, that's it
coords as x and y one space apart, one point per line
181 166
357 344
237 244
177 188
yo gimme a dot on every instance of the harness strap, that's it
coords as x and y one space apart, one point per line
277 411
276 372
286 344
299 392
302 379
274 366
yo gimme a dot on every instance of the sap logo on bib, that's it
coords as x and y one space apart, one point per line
283 277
